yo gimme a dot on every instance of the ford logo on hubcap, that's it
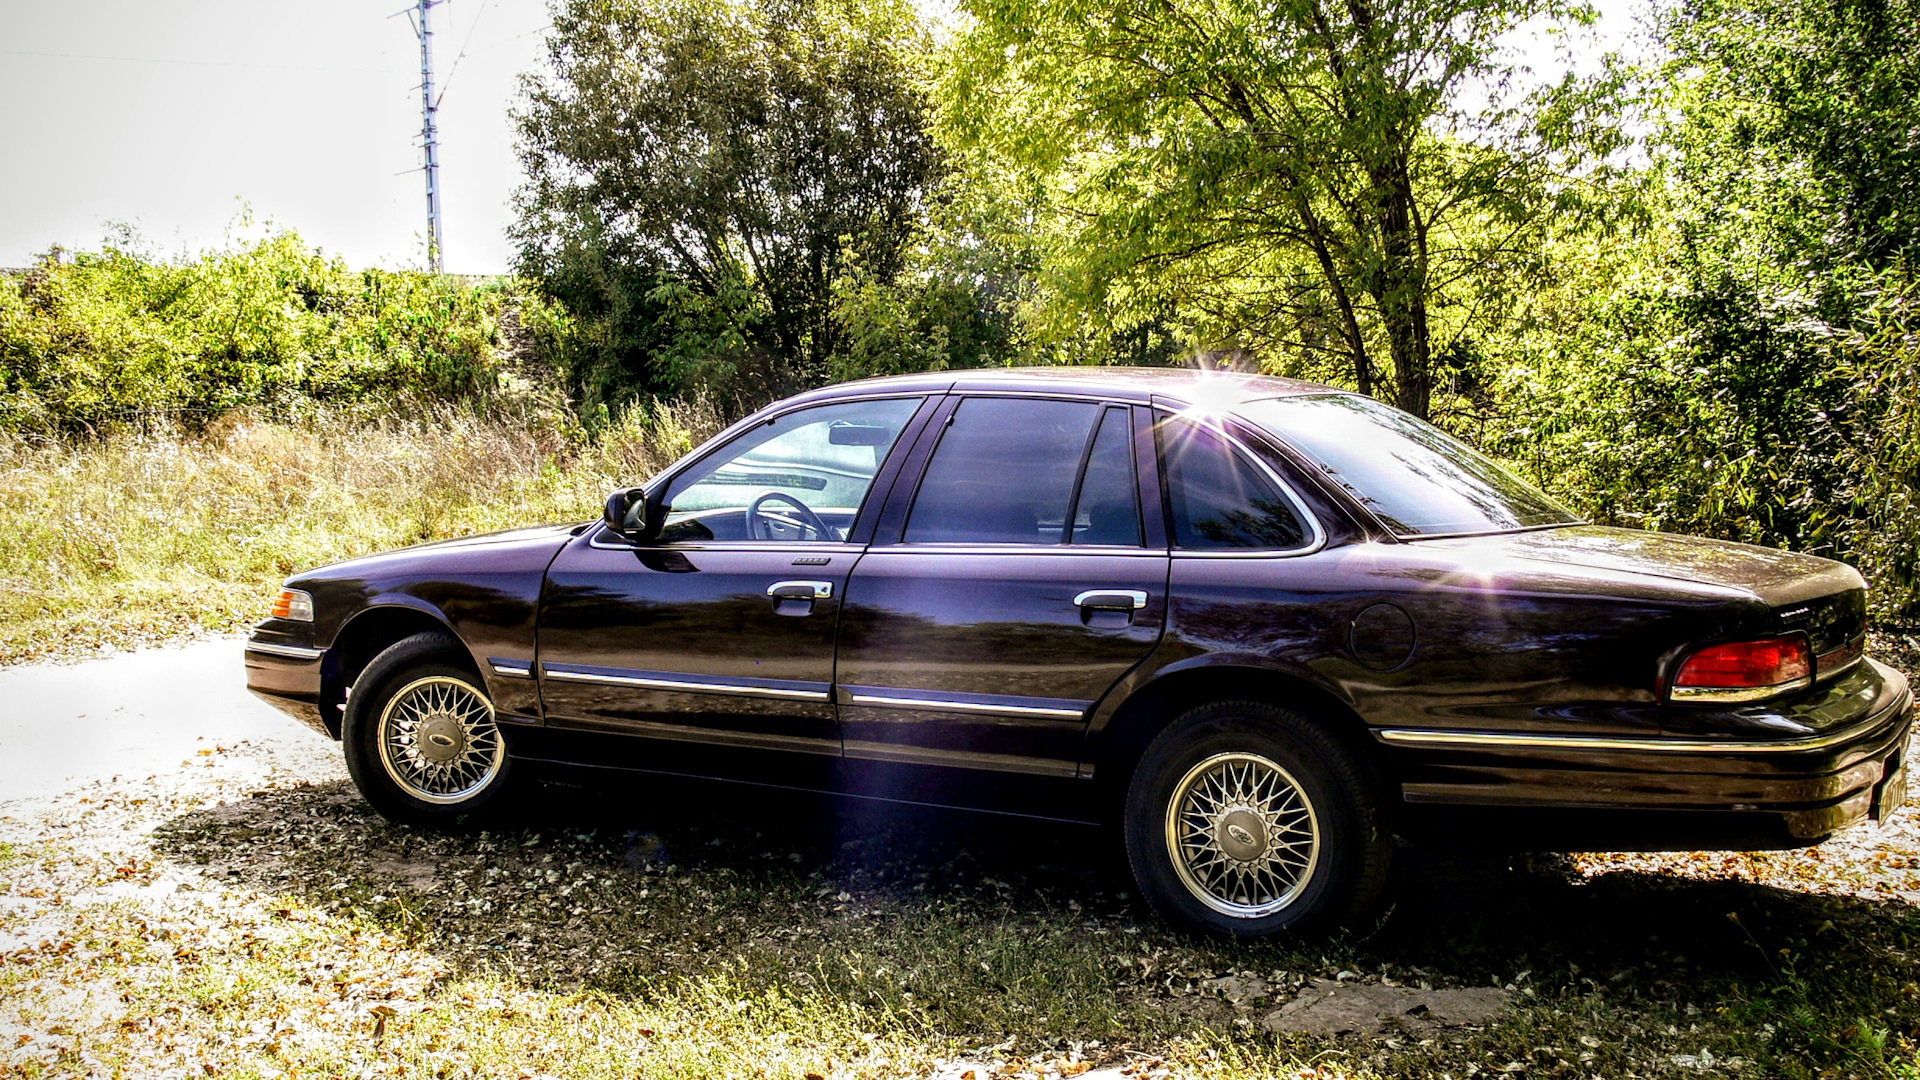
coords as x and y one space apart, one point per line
1239 834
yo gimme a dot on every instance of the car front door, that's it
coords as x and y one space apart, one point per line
722 630
1017 586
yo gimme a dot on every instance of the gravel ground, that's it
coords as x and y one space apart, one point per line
243 913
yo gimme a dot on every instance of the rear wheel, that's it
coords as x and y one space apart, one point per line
421 739
1246 819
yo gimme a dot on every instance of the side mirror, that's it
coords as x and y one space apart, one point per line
626 514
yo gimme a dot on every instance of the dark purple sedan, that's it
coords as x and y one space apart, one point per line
1262 626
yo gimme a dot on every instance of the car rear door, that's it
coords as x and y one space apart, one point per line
1008 590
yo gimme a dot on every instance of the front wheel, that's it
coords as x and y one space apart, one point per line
422 743
1246 819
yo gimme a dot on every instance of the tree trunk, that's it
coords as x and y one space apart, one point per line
1402 294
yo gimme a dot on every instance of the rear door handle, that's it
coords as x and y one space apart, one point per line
1111 599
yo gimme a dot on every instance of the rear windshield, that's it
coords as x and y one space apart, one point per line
1417 479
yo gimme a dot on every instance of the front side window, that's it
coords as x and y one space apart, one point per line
1220 499
802 477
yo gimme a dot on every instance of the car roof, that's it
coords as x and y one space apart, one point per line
1141 384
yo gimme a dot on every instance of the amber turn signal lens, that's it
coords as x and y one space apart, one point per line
294 605
1744 670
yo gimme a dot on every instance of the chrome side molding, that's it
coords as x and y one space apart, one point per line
1478 740
663 681
291 652
891 701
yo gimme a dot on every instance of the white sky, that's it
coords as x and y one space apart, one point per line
169 114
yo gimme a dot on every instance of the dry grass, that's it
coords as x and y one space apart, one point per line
144 536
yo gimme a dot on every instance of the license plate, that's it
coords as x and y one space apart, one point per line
1892 794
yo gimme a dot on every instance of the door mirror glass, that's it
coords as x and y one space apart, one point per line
626 514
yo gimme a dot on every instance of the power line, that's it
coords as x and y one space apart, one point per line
462 55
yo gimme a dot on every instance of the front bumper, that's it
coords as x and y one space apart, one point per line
287 675
1807 780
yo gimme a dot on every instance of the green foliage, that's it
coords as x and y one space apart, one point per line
163 532
1802 116
1741 361
701 173
113 335
1300 181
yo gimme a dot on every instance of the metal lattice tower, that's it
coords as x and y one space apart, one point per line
429 125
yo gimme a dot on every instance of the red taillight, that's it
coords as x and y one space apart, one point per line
1744 670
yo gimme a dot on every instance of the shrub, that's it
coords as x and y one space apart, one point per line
275 326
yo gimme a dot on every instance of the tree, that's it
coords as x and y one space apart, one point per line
726 158
1804 115
1296 174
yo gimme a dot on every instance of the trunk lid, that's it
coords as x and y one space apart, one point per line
1824 598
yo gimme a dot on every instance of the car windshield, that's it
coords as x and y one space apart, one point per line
1417 479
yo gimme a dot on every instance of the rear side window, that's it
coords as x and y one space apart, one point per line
1107 511
1003 473
1219 498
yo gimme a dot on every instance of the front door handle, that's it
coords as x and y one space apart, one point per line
1111 600
797 597
800 590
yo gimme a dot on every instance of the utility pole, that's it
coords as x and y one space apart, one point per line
429 126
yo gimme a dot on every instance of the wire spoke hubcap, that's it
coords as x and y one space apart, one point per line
438 740
1243 837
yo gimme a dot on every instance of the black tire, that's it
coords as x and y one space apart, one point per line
430 671
1221 879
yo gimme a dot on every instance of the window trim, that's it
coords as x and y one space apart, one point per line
887 473
1219 426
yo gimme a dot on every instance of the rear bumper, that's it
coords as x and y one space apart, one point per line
1806 784
287 676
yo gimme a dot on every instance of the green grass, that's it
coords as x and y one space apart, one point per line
148 536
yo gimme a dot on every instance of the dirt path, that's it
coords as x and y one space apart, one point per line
133 715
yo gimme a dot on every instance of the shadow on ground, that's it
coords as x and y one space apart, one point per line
987 926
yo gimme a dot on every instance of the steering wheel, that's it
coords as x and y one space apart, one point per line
760 523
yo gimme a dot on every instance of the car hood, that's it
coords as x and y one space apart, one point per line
534 536
1773 576
557 533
